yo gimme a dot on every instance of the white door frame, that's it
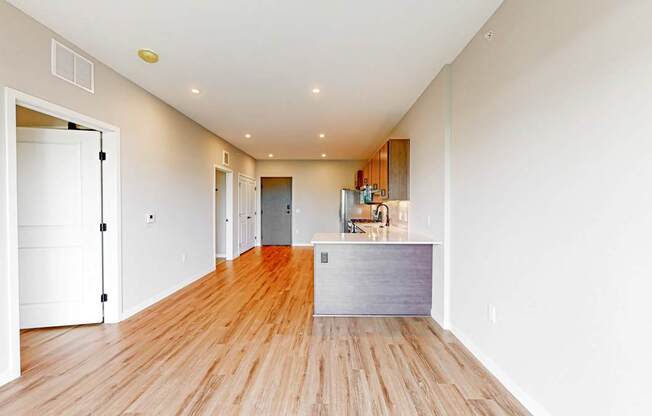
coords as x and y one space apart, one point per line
9 218
229 211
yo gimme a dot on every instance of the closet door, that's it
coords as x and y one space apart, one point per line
251 215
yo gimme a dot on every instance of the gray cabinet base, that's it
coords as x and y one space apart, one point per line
373 279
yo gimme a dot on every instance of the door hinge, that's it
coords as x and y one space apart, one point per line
102 227
102 155
104 297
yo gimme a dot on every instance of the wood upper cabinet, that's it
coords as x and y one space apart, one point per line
388 171
375 170
383 163
398 170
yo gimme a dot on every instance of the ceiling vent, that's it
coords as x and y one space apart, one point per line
72 67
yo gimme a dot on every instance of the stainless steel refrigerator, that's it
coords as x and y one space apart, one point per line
351 207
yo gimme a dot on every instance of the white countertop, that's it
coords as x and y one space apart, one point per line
374 234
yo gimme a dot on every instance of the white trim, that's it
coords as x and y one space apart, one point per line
446 260
161 295
526 400
8 376
230 252
220 255
301 245
8 212
242 175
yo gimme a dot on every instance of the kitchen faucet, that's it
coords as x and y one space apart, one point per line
386 213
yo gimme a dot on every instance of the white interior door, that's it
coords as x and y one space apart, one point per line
59 238
242 215
246 211
251 214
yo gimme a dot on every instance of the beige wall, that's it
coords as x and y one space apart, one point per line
549 199
166 165
551 171
316 186
427 125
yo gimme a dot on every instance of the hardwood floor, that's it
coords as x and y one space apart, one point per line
243 341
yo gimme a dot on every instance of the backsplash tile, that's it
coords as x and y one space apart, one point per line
398 213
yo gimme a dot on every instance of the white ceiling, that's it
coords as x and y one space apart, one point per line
256 62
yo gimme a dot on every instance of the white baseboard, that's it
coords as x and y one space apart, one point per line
301 245
7 376
160 296
220 255
436 319
526 400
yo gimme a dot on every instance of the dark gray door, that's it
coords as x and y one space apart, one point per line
276 211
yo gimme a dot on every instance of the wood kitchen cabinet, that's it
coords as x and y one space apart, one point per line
383 175
398 170
375 171
388 171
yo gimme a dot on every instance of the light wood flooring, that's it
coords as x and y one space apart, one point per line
243 341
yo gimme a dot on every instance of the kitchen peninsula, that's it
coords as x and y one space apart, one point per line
381 271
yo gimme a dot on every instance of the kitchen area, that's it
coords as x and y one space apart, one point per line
375 265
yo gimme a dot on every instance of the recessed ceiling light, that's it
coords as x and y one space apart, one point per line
148 56
322 135
323 155
270 155
248 136
195 91
316 90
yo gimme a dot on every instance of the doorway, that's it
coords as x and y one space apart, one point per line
22 159
222 214
276 211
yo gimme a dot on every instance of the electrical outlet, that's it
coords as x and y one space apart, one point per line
324 257
183 258
491 314
428 220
